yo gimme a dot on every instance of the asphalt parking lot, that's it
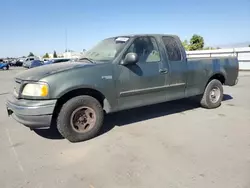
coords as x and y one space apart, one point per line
173 145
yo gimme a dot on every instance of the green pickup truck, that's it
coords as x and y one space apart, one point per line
118 73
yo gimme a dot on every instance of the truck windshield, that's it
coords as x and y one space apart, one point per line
107 49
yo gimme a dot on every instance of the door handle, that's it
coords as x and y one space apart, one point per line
163 70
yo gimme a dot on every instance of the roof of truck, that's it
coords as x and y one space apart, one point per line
138 35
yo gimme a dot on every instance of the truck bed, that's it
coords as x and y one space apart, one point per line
202 69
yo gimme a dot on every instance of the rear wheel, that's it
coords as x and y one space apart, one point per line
213 95
80 118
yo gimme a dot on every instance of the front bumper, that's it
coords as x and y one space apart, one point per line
31 113
26 66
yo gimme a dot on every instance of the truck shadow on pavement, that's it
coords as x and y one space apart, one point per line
150 112
135 115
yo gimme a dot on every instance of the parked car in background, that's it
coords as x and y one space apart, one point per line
18 62
12 62
48 62
4 66
36 63
45 59
28 60
58 60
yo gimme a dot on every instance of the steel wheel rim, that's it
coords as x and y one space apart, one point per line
83 119
215 94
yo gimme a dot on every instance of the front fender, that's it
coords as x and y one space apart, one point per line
107 106
83 78
62 92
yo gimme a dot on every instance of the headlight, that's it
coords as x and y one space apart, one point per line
36 90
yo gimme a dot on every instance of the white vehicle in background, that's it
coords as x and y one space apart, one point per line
28 60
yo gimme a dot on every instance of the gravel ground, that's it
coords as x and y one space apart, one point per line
172 145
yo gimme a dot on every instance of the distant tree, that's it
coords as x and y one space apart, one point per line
249 45
206 48
196 42
31 54
185 44
46 55
209 48
55 55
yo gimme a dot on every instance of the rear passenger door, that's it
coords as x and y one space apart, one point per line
178 68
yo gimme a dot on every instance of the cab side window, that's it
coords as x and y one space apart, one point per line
173 50
146 48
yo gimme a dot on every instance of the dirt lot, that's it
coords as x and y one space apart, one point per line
172 145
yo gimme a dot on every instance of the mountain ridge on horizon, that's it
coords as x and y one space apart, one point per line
234 45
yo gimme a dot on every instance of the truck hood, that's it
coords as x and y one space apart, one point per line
40 72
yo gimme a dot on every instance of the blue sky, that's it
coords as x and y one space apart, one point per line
39 26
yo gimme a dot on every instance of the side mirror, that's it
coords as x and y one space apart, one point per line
130 59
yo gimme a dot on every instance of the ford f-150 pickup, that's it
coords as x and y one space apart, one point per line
118 73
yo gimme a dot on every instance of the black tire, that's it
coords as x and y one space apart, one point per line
207 100
64 119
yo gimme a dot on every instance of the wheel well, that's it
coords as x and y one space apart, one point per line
77 92
219 77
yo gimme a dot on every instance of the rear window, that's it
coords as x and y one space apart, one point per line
173 50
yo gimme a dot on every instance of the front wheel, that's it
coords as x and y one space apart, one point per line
80 118
6 68
213 95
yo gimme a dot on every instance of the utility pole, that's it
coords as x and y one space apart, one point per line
66 40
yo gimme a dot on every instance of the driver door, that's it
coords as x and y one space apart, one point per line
142 83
